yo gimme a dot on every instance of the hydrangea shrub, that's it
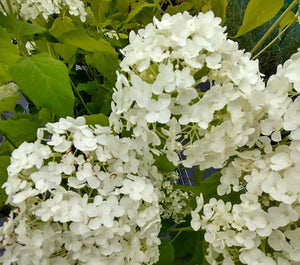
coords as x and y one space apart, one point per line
85 193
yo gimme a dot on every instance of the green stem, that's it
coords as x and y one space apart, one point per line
181 229
271 42
3 7
21 45
273 27
81 99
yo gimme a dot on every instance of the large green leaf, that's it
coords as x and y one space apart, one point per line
19 129
163 164
45 81
5 21
66 52
81 39
166 252
189 248
179 8
9 103
99 119
5 148
219 8
106 63
9 55
257 13
61 26
27 29
137 8
9 52
24 28
99 9
198 176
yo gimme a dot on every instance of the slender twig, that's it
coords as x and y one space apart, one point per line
180 229
81 99
271 42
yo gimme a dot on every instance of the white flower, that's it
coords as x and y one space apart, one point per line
138 189
255 256
47 178
158 109
33 8
60 143
291 119
87 201
162 89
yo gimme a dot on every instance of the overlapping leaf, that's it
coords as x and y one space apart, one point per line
45 81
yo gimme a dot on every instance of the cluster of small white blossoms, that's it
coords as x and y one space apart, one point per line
81 195
263 227
31 9
174 203
166 63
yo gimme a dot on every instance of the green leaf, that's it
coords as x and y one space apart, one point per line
179 8
137 8
165 225
99 10
9 55
45 115
28 29
287 19
9 103
20 128
61 25
166 252
65 51
81 39
5 21
90 87
45 81
198 176
9 52
197 4
257 13
106 63
163 164
219 8
4 163
188 247
5 148
24 28
99 119
207 187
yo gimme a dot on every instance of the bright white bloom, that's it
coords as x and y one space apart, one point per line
263 222
166 64
31 9
83 196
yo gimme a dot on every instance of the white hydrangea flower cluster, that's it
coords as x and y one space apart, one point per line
81 195
281 89
31 9
263 228
166 64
